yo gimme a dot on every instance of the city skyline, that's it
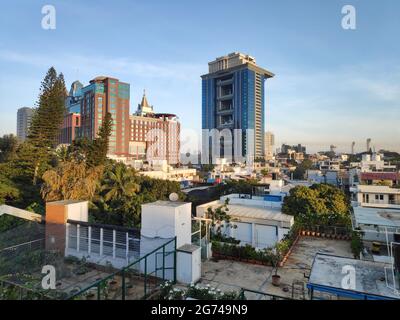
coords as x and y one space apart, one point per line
331 85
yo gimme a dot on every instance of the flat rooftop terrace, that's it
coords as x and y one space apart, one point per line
250 212
228 275
326 276
377 217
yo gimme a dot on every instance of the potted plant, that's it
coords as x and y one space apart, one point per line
113 285
275 257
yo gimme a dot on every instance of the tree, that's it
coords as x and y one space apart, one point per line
320 204
300 171
118 202
101 143
219 218
82 149
119 183
8 191
47 119
8 147
93 152
71 180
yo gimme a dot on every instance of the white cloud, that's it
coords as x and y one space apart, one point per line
95 64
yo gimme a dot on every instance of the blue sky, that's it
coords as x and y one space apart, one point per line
332 86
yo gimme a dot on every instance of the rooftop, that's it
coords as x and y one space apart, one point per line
378 217
327 272
378 189
251 212
223 274
163 203
64 202
236 60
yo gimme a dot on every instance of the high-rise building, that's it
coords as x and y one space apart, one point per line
269 145
87 107
24 117
158 131
233 97
70 128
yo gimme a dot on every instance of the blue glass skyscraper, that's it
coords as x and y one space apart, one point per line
233 98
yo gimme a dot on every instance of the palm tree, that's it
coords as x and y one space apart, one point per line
71 180
119 183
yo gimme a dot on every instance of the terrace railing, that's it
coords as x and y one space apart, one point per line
138 280
95 240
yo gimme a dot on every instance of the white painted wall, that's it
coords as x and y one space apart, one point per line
189 266
78 211
257 235
265 236
166 221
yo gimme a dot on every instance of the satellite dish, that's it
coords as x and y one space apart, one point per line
173 197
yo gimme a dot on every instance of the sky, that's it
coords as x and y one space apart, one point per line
331 85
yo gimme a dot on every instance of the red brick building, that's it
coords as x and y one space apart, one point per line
154 136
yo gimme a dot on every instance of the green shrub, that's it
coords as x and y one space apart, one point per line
356 244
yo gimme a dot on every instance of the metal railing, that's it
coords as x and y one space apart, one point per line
138 279
104 242
374 201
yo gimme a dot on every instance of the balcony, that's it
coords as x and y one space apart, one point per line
225 92
225 124
225 107
224 82
227 95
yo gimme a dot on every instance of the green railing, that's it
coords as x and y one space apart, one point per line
135 281
242 295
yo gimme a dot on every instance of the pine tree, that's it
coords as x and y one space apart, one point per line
46 120
102 142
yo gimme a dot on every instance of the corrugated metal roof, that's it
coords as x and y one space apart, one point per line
241 211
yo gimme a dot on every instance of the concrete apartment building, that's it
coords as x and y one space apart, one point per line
154 136
24 117
233 97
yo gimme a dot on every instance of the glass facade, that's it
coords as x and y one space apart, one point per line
235 94
100 96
